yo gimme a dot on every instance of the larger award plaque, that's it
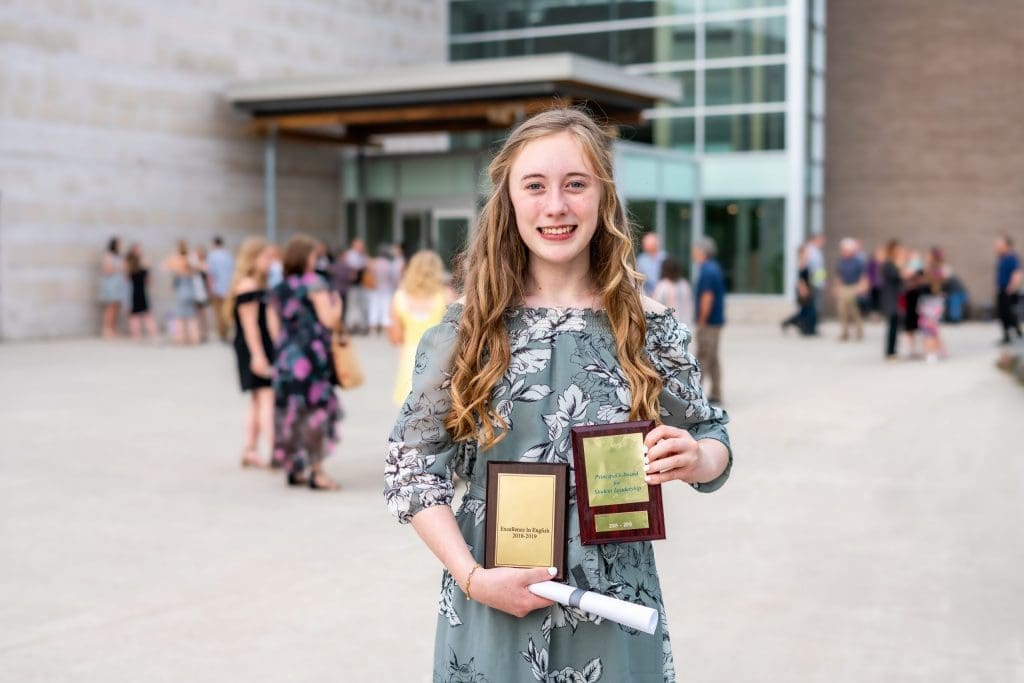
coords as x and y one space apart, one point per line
525 515
615 504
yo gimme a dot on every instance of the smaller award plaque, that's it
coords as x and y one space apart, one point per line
525 515
615 503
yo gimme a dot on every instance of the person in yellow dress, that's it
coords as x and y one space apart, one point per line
418 304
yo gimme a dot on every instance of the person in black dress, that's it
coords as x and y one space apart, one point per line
889 295
140 317
246 303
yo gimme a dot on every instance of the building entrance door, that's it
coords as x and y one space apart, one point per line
451 232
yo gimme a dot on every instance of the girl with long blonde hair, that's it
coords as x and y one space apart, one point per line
246 304
418 305
553 332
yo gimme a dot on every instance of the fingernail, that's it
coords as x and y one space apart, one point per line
645 449
648 479
647 466
552 571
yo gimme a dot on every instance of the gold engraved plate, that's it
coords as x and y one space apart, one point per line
622 521
524 533
615 469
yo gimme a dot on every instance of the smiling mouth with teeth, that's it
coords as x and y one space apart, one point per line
557 230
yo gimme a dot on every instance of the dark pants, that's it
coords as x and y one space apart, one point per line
803 318
890 337
1006 306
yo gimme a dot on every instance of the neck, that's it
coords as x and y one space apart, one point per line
566 286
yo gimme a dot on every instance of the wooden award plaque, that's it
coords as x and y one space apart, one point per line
526 515
615 504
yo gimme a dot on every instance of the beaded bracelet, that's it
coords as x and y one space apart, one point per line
469 578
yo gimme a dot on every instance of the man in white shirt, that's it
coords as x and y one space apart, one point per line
221 267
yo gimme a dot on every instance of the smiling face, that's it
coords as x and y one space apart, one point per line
556 196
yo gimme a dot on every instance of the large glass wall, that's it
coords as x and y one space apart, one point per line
730 57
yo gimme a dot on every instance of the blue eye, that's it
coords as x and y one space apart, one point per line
533 186
577 185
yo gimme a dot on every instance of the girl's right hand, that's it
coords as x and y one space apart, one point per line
505 589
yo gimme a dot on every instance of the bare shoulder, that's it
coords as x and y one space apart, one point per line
652 306
246 284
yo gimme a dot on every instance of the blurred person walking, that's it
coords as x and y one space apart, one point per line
850 282
113 288
220 269
1008 284
418 304
674 291
246 305
913 287
356 309
874 276
380 284
889 295
140 317
306 409
649 261
710 316
804 297
931 306
819 275
178 264
201 285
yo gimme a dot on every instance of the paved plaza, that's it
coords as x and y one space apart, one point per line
871 530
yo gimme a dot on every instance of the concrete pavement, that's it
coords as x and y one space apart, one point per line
871 530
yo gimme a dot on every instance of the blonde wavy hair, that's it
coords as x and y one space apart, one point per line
245 266
424 276
496 270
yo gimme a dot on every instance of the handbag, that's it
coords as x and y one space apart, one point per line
346 364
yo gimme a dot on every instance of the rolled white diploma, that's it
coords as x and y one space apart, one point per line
621 612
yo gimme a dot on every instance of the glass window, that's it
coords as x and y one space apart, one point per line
643 214
473 16
594 45
677 233
745 85
725 5
491 49
379 224
554 12
636 9
656 44
746 37
745 132
677 133
749 235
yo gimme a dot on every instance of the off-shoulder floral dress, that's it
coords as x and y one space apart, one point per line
563 372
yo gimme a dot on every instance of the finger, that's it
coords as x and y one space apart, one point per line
658 433
673 462
539 574
669 447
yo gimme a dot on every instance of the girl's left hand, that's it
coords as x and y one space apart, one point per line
672 453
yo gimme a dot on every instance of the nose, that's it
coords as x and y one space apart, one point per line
554 204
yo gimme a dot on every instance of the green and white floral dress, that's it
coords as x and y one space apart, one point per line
563 372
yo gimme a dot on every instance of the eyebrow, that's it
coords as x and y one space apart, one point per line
567 175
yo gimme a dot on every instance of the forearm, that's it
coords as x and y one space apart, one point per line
705 308
247 316
714 457
437 527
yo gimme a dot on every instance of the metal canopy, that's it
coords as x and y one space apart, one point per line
460 96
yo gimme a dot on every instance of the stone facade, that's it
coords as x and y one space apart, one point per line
112 123
924 138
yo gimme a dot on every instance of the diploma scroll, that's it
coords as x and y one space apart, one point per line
620 611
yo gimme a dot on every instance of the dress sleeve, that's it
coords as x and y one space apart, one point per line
682 399
421 453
